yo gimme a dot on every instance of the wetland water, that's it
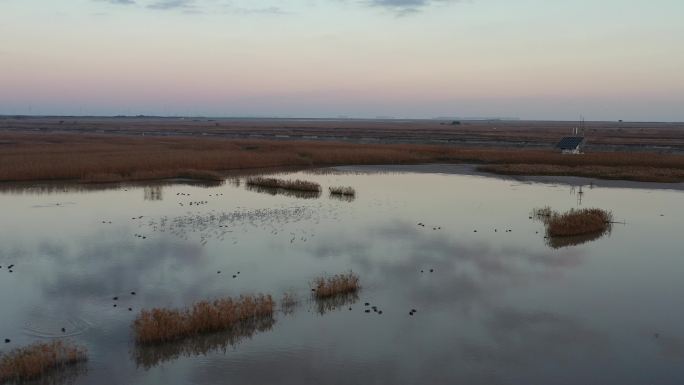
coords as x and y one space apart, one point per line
499 307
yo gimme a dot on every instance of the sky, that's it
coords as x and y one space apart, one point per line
529 59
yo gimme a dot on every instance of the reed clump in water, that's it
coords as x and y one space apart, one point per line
163 325
35 360
298 185
151 355
343 190
579 222
575 222
325 287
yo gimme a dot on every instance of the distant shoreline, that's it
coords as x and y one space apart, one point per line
473 169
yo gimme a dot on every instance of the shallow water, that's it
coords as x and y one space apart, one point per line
500 307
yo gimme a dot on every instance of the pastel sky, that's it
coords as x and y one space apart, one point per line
533 59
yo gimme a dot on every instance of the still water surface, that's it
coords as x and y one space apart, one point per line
501 305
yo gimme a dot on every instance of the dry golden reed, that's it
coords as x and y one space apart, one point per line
579 222
297 185
163 325
325 287
35 360
574 222
26 156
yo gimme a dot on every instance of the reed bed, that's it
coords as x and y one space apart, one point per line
295 185
34 361
579 222
151 355
279 191
342 190
575 222
163 325
29 156
326 287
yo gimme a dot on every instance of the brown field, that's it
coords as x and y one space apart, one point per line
575 222
602 136
326 287
164 325
36 360
297 185
112 157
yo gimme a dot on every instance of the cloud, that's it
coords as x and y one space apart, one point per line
260 11
121 2
403 7
172 4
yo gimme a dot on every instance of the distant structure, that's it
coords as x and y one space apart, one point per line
573 144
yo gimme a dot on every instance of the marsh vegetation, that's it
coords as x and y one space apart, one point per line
161 325
38 359
329 286
275 183
575 222
151 355
29 156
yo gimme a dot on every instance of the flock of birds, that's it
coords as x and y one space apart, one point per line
217 224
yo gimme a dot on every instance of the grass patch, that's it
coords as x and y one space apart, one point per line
575 222
163 325
296 185
326 287
36 360
342 190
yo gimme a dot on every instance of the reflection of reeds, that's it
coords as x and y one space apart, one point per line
163 325
542 213
193 174
299 185
342 190
33 361
560 242
328 304
289 302
343 198
325 287
148 356
73 187
301 194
